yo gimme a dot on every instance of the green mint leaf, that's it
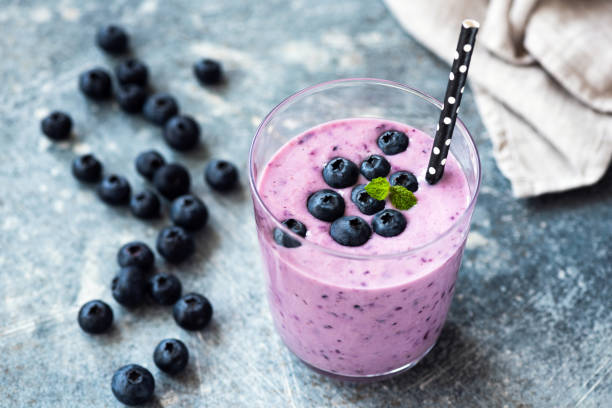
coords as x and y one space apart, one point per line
402 198
378 188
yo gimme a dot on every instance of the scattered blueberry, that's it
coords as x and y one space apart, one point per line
132 71
114 190
145 205
182 133
148 162
172 180
340 172
208 71
131 97
136 254
405 179
393 142
221 175
192 311
95 84
133 385
367 204
112 39
87 168
326 205
375 166
189 212
129 286
95 317
174 244
389 223
283 239
165 289
160 107
57 125
350 231
171 356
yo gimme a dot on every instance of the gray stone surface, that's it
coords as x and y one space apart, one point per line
530 324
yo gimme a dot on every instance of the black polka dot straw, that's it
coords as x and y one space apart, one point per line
452 99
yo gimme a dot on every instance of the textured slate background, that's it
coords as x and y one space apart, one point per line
530 324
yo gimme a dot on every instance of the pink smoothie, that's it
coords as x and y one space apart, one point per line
361 311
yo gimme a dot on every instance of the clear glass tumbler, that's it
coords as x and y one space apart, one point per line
322 322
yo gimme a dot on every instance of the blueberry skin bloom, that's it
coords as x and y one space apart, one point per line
133 385
95 317
192 312
283 239
136 254
165 289
129 286
132 71
145 205
393 142
159 108
182 133
405 179
112 39
350 231
389 223
340 172
87 168
171 356
375 166
189 212
325 205
221 175
57 125
367 204
95 84
208 71
114 190
148 162
175 244
172 180
131 98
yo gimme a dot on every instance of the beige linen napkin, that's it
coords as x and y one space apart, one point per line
542 72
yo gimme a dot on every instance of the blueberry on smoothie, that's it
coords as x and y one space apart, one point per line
129 286
325 205
389 223
393 142
132 71
87 168
95 317
350 231
133 384
283 239
136 254
367 204
114 190
340 173
95 84
112 39
375 166
57 125
405 179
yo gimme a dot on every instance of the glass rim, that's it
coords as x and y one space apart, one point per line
374 81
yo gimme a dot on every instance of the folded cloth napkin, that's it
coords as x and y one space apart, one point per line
542 72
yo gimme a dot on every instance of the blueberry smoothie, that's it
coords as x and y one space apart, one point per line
360 288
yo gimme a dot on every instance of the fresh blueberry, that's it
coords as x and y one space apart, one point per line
57 125
393 142
132 71
405 179
283 239
375 166
182 132
326 205
114 190
350 231
95 317
95 84
133 385
340 172
165 289
192 311
159 108
136 254
172 180
112 39
367 204
175 244
145 205
87 168
221 175
171 356
189 212
131 98
389 223
148 162
208 71
129 286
